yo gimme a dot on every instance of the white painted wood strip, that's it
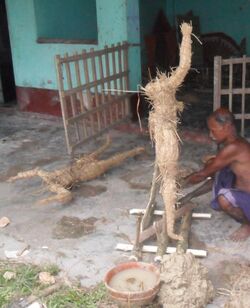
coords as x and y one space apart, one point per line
153 249
160 213
202 215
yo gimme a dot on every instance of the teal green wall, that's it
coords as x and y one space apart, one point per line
112 23
133 30
229 16
117 21
51 16
34 63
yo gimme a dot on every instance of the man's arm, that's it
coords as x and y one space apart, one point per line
224 158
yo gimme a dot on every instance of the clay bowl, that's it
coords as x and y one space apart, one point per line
138 297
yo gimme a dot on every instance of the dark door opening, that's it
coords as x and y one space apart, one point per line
7 82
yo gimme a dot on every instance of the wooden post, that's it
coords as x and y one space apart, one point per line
217 81
230 106
243 96
94 74
63 101
107 69
136 252
115 80
72 96
148 216
82 107
162 239
102 86
126 79
182 245
121 78
89 96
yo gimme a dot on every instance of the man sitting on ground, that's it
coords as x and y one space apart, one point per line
231 171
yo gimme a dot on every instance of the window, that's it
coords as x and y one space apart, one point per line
64 21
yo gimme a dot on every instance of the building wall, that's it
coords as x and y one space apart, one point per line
34 66
231 17
133 30
80 15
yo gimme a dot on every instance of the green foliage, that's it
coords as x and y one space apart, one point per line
77 298
25 282
53 269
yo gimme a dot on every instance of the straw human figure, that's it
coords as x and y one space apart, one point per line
163 119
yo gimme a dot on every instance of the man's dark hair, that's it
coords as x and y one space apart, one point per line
223 116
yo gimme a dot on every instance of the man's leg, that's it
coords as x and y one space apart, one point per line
244 231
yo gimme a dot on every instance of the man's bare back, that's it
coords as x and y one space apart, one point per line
241 165
234 156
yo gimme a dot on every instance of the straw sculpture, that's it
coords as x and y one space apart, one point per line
83 169
163 119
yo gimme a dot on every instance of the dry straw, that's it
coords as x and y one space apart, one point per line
163 119
83 169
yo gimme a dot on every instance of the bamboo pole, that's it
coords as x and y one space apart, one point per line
136 252
148 216
89 96
162 240
182 244
184 205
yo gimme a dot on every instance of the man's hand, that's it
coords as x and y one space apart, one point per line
193 178
184 182
207 159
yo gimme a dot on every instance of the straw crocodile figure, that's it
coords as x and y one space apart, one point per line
86 168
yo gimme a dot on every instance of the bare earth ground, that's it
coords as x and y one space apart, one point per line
80 237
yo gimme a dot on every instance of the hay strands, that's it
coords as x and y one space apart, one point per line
86 168
163 125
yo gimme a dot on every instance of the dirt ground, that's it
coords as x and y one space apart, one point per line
80 237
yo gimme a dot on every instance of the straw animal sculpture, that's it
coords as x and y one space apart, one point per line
83 169
163 125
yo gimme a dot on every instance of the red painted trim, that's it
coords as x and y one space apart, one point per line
39 100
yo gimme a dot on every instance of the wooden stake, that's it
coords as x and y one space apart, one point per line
148 216
162 239
182 245
136 252
147 233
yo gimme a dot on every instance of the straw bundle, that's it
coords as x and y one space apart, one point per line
163 125
83 169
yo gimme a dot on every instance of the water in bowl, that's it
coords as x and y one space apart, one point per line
133 280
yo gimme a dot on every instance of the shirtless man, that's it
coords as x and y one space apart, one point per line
231 171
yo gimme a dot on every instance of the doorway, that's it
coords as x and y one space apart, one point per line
7 82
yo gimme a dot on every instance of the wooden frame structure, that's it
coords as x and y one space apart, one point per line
232 87
92 88
147 226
